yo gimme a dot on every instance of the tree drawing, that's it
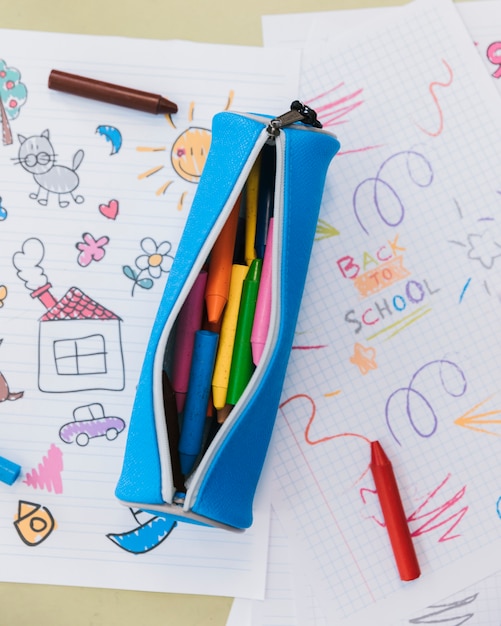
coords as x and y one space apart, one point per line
12 97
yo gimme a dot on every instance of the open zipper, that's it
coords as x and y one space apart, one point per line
270 134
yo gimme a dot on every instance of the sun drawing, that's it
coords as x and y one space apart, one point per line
187 154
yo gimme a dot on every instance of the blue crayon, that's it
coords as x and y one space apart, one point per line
9 471
266 197
197 398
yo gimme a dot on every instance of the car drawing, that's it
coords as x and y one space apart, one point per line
90 421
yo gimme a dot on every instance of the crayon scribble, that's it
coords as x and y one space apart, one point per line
431 89
48 474
473 421
441 613
392 211
324 230
433 513
333 111
450 378
463 291
364 358
310 420
494 56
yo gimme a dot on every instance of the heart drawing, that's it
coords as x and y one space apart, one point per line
109 210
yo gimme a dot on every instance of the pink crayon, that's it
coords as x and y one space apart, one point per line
189 321
261 323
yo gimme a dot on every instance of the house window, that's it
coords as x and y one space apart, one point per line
81 356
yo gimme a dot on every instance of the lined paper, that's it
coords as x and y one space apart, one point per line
108 253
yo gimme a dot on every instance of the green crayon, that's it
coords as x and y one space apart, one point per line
242 365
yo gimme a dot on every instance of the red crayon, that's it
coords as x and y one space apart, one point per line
394 514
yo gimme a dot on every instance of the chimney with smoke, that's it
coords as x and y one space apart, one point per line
27 262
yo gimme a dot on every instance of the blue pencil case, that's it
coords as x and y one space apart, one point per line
218 488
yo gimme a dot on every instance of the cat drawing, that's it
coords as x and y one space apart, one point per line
36 155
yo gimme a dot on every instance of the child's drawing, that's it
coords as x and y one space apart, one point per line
148 535
90 249
37 156
3 211
80 345
494 56
187 154
333 108
111 134
110 210
90 421
364 358
33 522
12 97
5 393
48 473
155 261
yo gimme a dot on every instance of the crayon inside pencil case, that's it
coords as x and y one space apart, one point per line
242 365
195 411
220 264
251 206
227 338
188 322
231 308
266 197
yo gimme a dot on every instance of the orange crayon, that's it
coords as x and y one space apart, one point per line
220 264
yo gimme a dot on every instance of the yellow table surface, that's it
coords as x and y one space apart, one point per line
215 21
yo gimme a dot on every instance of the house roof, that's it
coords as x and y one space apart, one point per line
75 305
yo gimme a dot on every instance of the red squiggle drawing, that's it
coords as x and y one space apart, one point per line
314 442
430 519
431 89
48 474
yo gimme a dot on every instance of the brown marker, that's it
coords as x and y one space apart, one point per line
112 94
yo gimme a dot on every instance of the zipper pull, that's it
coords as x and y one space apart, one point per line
299 112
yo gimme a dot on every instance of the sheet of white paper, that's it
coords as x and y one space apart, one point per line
480 603
295 30
482 19
399 354
240 613
114 241
278 608
279 605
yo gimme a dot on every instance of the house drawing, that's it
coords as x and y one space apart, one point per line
80 345
79 341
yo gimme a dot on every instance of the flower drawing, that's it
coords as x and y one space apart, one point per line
155 261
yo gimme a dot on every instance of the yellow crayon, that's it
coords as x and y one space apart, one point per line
252 189
222 367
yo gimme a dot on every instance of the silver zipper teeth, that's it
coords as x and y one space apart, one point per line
199 473
168 489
